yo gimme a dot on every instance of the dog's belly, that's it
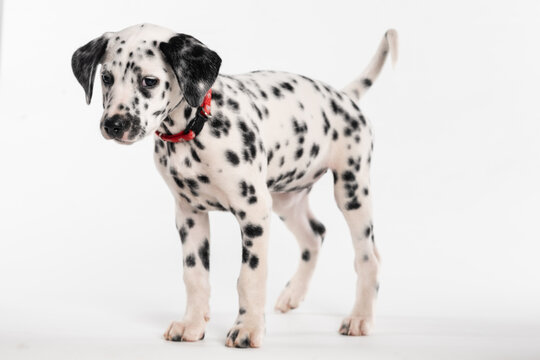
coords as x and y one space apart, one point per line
294 176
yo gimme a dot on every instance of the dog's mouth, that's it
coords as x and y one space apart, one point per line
124 142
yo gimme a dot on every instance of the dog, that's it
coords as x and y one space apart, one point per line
248 144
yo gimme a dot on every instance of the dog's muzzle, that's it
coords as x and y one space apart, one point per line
116 126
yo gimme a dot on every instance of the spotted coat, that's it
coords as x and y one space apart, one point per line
271 137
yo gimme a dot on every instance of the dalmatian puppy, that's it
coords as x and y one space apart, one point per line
271 135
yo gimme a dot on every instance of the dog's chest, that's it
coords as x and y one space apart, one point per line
188 177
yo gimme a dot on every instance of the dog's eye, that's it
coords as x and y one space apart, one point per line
107 78
149 82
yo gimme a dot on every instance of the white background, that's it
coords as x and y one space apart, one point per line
89 254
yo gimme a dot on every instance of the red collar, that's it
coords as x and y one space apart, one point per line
194 126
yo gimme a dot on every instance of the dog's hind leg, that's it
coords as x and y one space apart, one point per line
352 193
293 209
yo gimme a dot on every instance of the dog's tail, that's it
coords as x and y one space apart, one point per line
361 85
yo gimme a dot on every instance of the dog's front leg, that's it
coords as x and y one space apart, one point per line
193 227
254 219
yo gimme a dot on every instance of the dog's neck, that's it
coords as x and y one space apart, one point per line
178 118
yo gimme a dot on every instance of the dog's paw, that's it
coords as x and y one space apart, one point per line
185 331
246 333
290 297
356 326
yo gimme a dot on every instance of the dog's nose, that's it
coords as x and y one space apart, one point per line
114 126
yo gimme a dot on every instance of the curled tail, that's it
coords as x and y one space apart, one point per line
361 84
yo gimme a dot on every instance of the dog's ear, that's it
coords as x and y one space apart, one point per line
85 60
196 67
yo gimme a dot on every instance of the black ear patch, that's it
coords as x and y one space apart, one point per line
84 63
196 67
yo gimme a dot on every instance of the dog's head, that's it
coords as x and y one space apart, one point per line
146 71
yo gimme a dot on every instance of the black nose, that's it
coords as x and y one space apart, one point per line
115 126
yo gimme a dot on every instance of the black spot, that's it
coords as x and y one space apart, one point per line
367 232
244 188
217 97
259 113
367 82
232 158
149 52
183 234
314 150
204 254
245 254
348 176
326 126
317 227
203 179
353 204
253 230
287 86
306 255
299 153
195 156
366 191
269 156
253 262
248 140
276 91
335 107
241 214
299 127
233 104
241 311
190 260
365 258
192 184
216 204
190 223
